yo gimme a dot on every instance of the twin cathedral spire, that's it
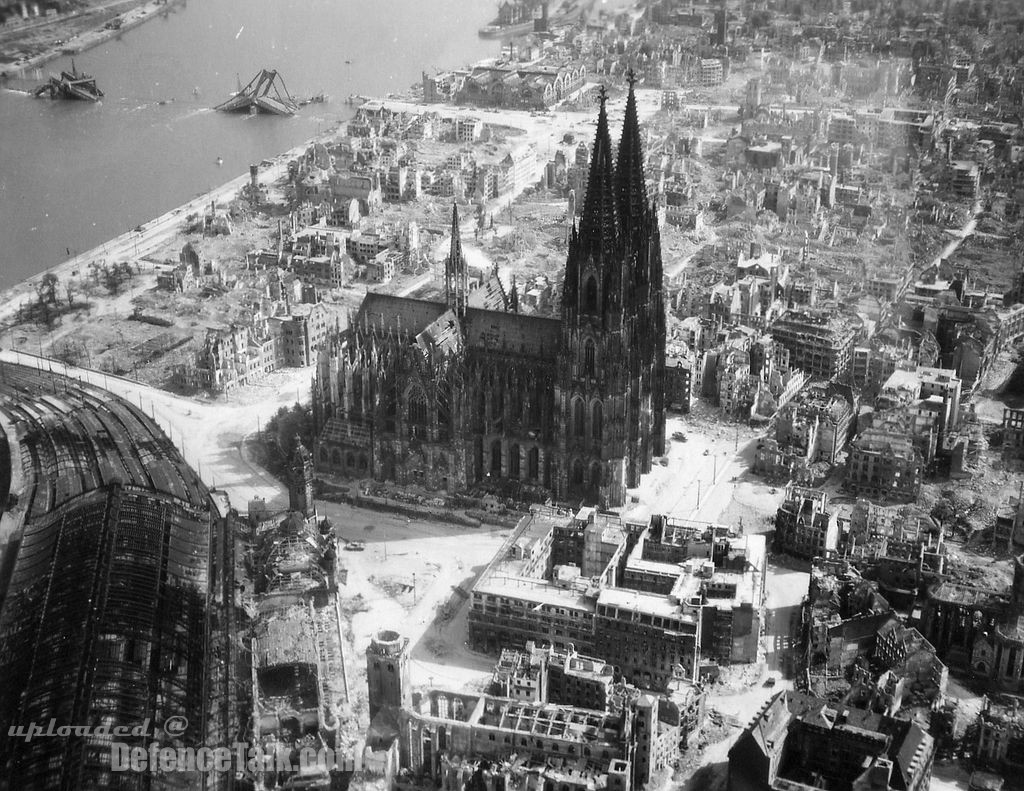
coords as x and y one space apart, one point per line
614 259
617 235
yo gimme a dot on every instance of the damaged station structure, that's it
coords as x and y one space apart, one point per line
118 574
124 571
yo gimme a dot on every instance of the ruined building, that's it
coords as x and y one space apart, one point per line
653 598
799 741
441 394
980 629
553 720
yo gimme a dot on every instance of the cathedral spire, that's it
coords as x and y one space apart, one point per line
456 282
630 189
598 225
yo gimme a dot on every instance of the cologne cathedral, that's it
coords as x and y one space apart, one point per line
451 396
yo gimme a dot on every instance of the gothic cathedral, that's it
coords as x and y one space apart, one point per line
454 394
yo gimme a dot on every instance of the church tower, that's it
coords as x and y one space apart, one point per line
610 389
456 278
387 671
300 481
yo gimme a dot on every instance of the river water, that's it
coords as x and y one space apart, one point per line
73 175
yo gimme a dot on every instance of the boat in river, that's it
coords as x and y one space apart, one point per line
70 85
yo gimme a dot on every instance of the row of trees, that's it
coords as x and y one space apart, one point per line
55 297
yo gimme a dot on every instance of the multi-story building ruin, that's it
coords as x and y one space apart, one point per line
445 395
819 343
1001 734
554 718
884 463
804 524
799 741
813 428
648 596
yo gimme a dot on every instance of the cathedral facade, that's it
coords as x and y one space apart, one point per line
447 395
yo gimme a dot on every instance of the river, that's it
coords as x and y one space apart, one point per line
73 175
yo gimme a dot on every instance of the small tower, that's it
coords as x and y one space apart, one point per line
456 279
387 671
300 481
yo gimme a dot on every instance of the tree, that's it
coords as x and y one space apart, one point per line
289 424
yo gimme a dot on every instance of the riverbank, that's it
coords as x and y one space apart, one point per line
146 239
74 33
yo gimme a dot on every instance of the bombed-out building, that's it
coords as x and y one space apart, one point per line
799 741
647 597
533 729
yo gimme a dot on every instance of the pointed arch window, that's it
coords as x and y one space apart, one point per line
357 393
418 415
578 418
536 396
533 464
444 415
590 295
596 418
589 357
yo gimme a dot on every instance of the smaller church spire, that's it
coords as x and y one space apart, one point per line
598 224
570 283
513 297
456 281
